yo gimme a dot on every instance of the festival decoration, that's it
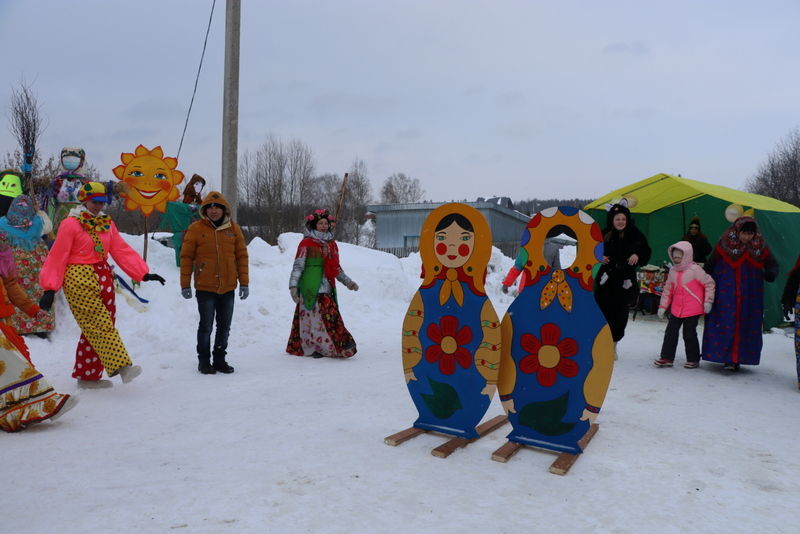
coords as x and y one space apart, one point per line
151 179
451 333
557 350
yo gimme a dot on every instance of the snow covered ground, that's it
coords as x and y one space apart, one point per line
293 445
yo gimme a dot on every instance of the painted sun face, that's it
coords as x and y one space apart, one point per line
151 179
453 246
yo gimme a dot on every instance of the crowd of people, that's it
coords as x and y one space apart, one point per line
723 284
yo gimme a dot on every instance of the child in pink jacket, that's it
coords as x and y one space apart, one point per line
688 294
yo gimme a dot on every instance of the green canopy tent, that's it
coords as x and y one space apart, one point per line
665 205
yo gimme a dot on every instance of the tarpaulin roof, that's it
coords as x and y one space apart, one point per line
665 205
663 190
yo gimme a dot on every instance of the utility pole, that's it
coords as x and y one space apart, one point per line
230 105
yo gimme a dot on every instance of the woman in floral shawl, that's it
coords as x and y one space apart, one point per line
318 329
739 264
23 229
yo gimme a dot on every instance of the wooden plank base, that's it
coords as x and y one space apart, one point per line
404 435
562 463
449 447
506 451
565 460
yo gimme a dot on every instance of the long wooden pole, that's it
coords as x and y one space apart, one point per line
230 105
341 200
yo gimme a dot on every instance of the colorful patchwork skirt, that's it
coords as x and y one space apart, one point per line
320 330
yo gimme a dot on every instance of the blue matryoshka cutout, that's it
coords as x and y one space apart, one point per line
451 333
557 351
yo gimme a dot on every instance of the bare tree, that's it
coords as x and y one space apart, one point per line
27 125
275 181
401 189
779 176
358 194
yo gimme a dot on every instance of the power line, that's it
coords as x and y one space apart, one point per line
197 78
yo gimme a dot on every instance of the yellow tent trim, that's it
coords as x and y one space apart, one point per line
664 190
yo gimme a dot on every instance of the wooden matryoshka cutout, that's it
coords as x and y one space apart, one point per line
557 351
451 333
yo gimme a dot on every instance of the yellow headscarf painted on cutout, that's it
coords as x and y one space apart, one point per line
476 263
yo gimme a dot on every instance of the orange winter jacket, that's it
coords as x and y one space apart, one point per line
216 254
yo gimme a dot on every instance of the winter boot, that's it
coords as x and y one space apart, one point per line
69 404
223 367
94 384
220 364
129 372
206 368
204 365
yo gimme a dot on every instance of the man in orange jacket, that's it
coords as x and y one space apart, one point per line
215 251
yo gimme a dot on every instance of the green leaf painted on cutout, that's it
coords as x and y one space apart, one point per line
444 401
545 417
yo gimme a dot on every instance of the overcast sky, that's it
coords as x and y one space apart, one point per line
474 98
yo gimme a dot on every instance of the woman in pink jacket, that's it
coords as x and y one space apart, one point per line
688 295
78 261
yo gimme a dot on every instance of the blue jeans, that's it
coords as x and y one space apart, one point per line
210 304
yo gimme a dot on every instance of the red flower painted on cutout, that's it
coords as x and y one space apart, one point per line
549 357
448 348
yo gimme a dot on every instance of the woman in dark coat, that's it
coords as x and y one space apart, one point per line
740 264
616 287
700 245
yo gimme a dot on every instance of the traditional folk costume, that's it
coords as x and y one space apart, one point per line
317 328
23 229
26 397
733 328
63 194
78 261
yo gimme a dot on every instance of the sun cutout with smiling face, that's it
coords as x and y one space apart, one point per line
151 180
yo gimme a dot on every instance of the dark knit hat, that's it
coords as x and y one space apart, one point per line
695 223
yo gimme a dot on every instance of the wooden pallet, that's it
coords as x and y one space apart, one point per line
562 463
451 445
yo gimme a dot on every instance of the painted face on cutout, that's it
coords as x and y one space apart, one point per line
620 221
453 245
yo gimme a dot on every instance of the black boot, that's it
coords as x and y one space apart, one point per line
205 366
219 361
222 366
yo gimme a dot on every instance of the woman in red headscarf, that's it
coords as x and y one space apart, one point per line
318 329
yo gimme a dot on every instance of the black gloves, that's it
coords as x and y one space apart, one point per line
153 276
46 302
